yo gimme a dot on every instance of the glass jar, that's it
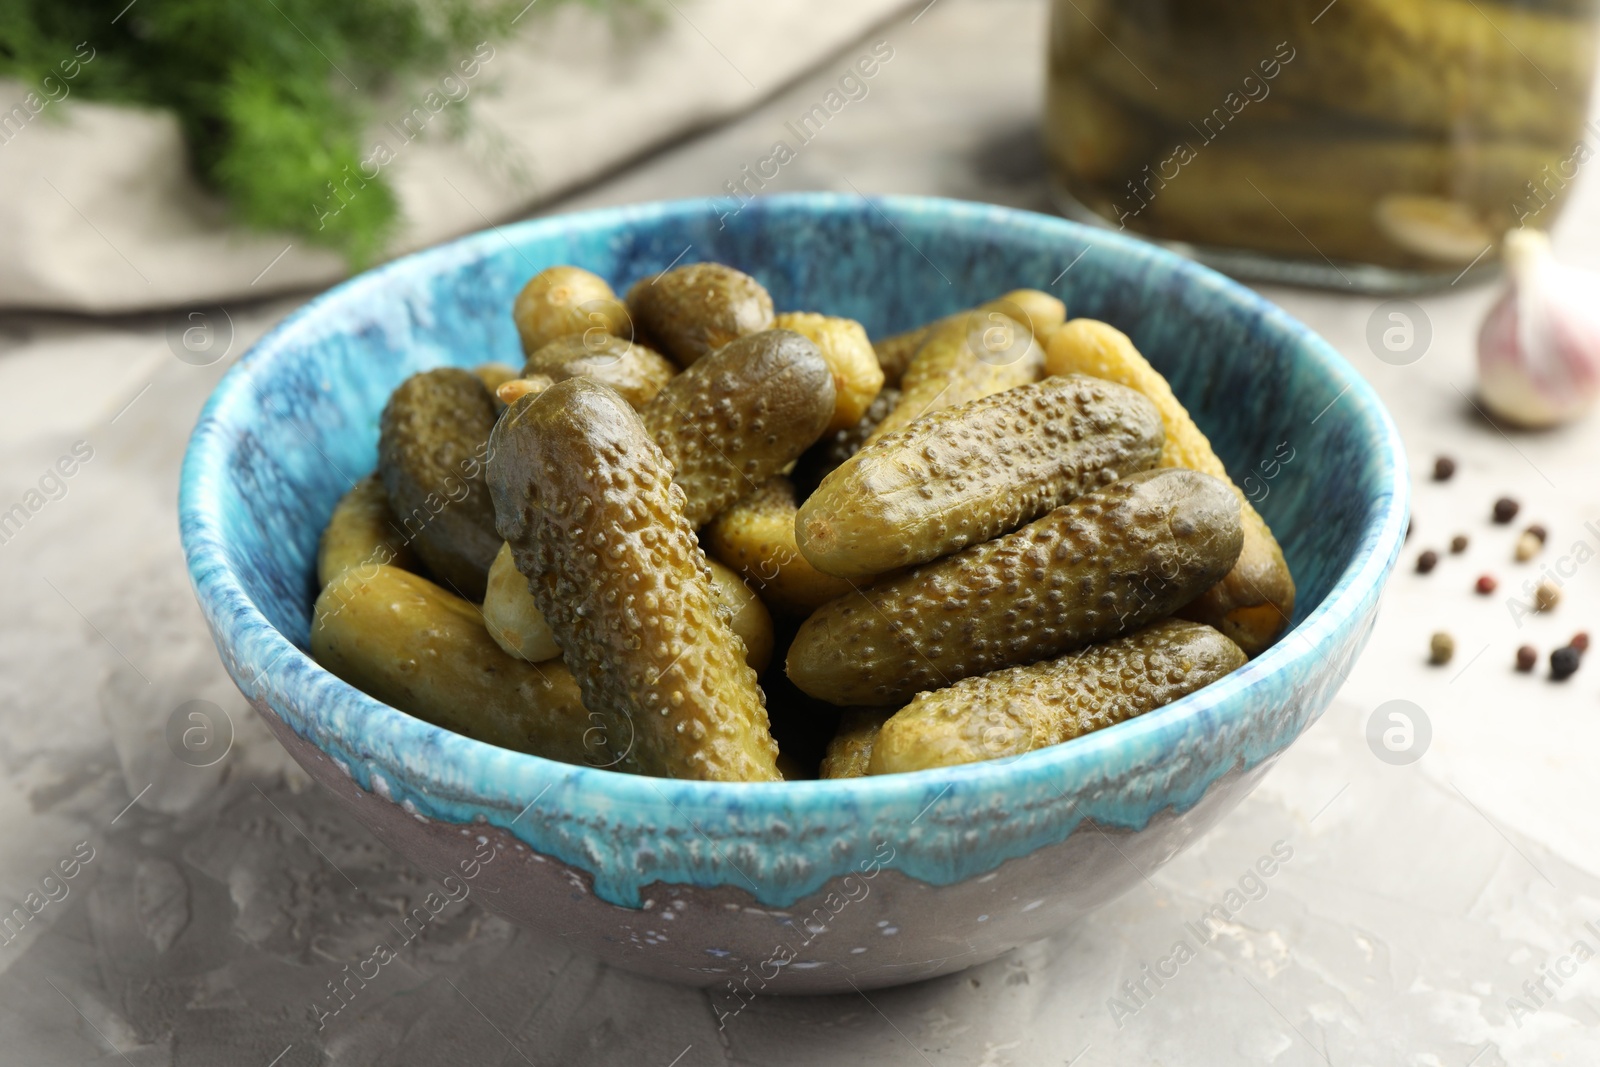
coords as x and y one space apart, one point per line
1371 144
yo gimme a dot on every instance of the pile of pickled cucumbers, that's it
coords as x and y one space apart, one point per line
688 524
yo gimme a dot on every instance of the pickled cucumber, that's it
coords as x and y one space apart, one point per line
740 416
512 617
857 378
755 537
1103 565
968 473
1255 602
362 533
595 521
424 650
559 301
432 441
1022 709
1036 309
635 370
692 311
966 357
850 751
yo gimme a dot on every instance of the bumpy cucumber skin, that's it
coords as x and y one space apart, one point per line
596 523
362 533
755 537
694 310
739 416
432 442
824 457
1100 566
1022 709
969 473
1255 602
636 371
953 366
422 649
850 751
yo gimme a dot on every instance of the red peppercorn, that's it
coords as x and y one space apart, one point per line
1580 641
1486 585
1527 657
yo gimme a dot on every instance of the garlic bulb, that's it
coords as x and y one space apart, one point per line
1539 349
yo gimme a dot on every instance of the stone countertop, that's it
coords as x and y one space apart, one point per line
210 906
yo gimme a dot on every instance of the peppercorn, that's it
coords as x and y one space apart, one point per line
1580 641
1527 656
1486 584
1444 468
1427 561
1440 648
1528 546
1546 595
1505 509
1564 663
1458 544
1538 531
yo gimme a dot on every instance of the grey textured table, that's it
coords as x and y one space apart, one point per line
210 907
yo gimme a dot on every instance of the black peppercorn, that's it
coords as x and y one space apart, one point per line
1444 468
1427 561
1564 663
1505 509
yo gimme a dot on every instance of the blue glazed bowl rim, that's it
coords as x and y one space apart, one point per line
460 768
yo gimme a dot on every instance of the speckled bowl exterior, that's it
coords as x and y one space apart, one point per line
809 886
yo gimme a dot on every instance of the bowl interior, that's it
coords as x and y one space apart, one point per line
296 423
1256 399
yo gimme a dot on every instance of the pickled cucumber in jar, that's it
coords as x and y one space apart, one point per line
1320 139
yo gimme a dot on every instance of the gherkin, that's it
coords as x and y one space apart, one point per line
636 371
755 536
422 649
432 442
361 533
968 473
596 523
1021 709
695 309
1103 565
739 416
964 357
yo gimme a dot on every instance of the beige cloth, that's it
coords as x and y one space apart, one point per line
98 212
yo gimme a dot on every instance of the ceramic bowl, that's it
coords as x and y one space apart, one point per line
810 886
